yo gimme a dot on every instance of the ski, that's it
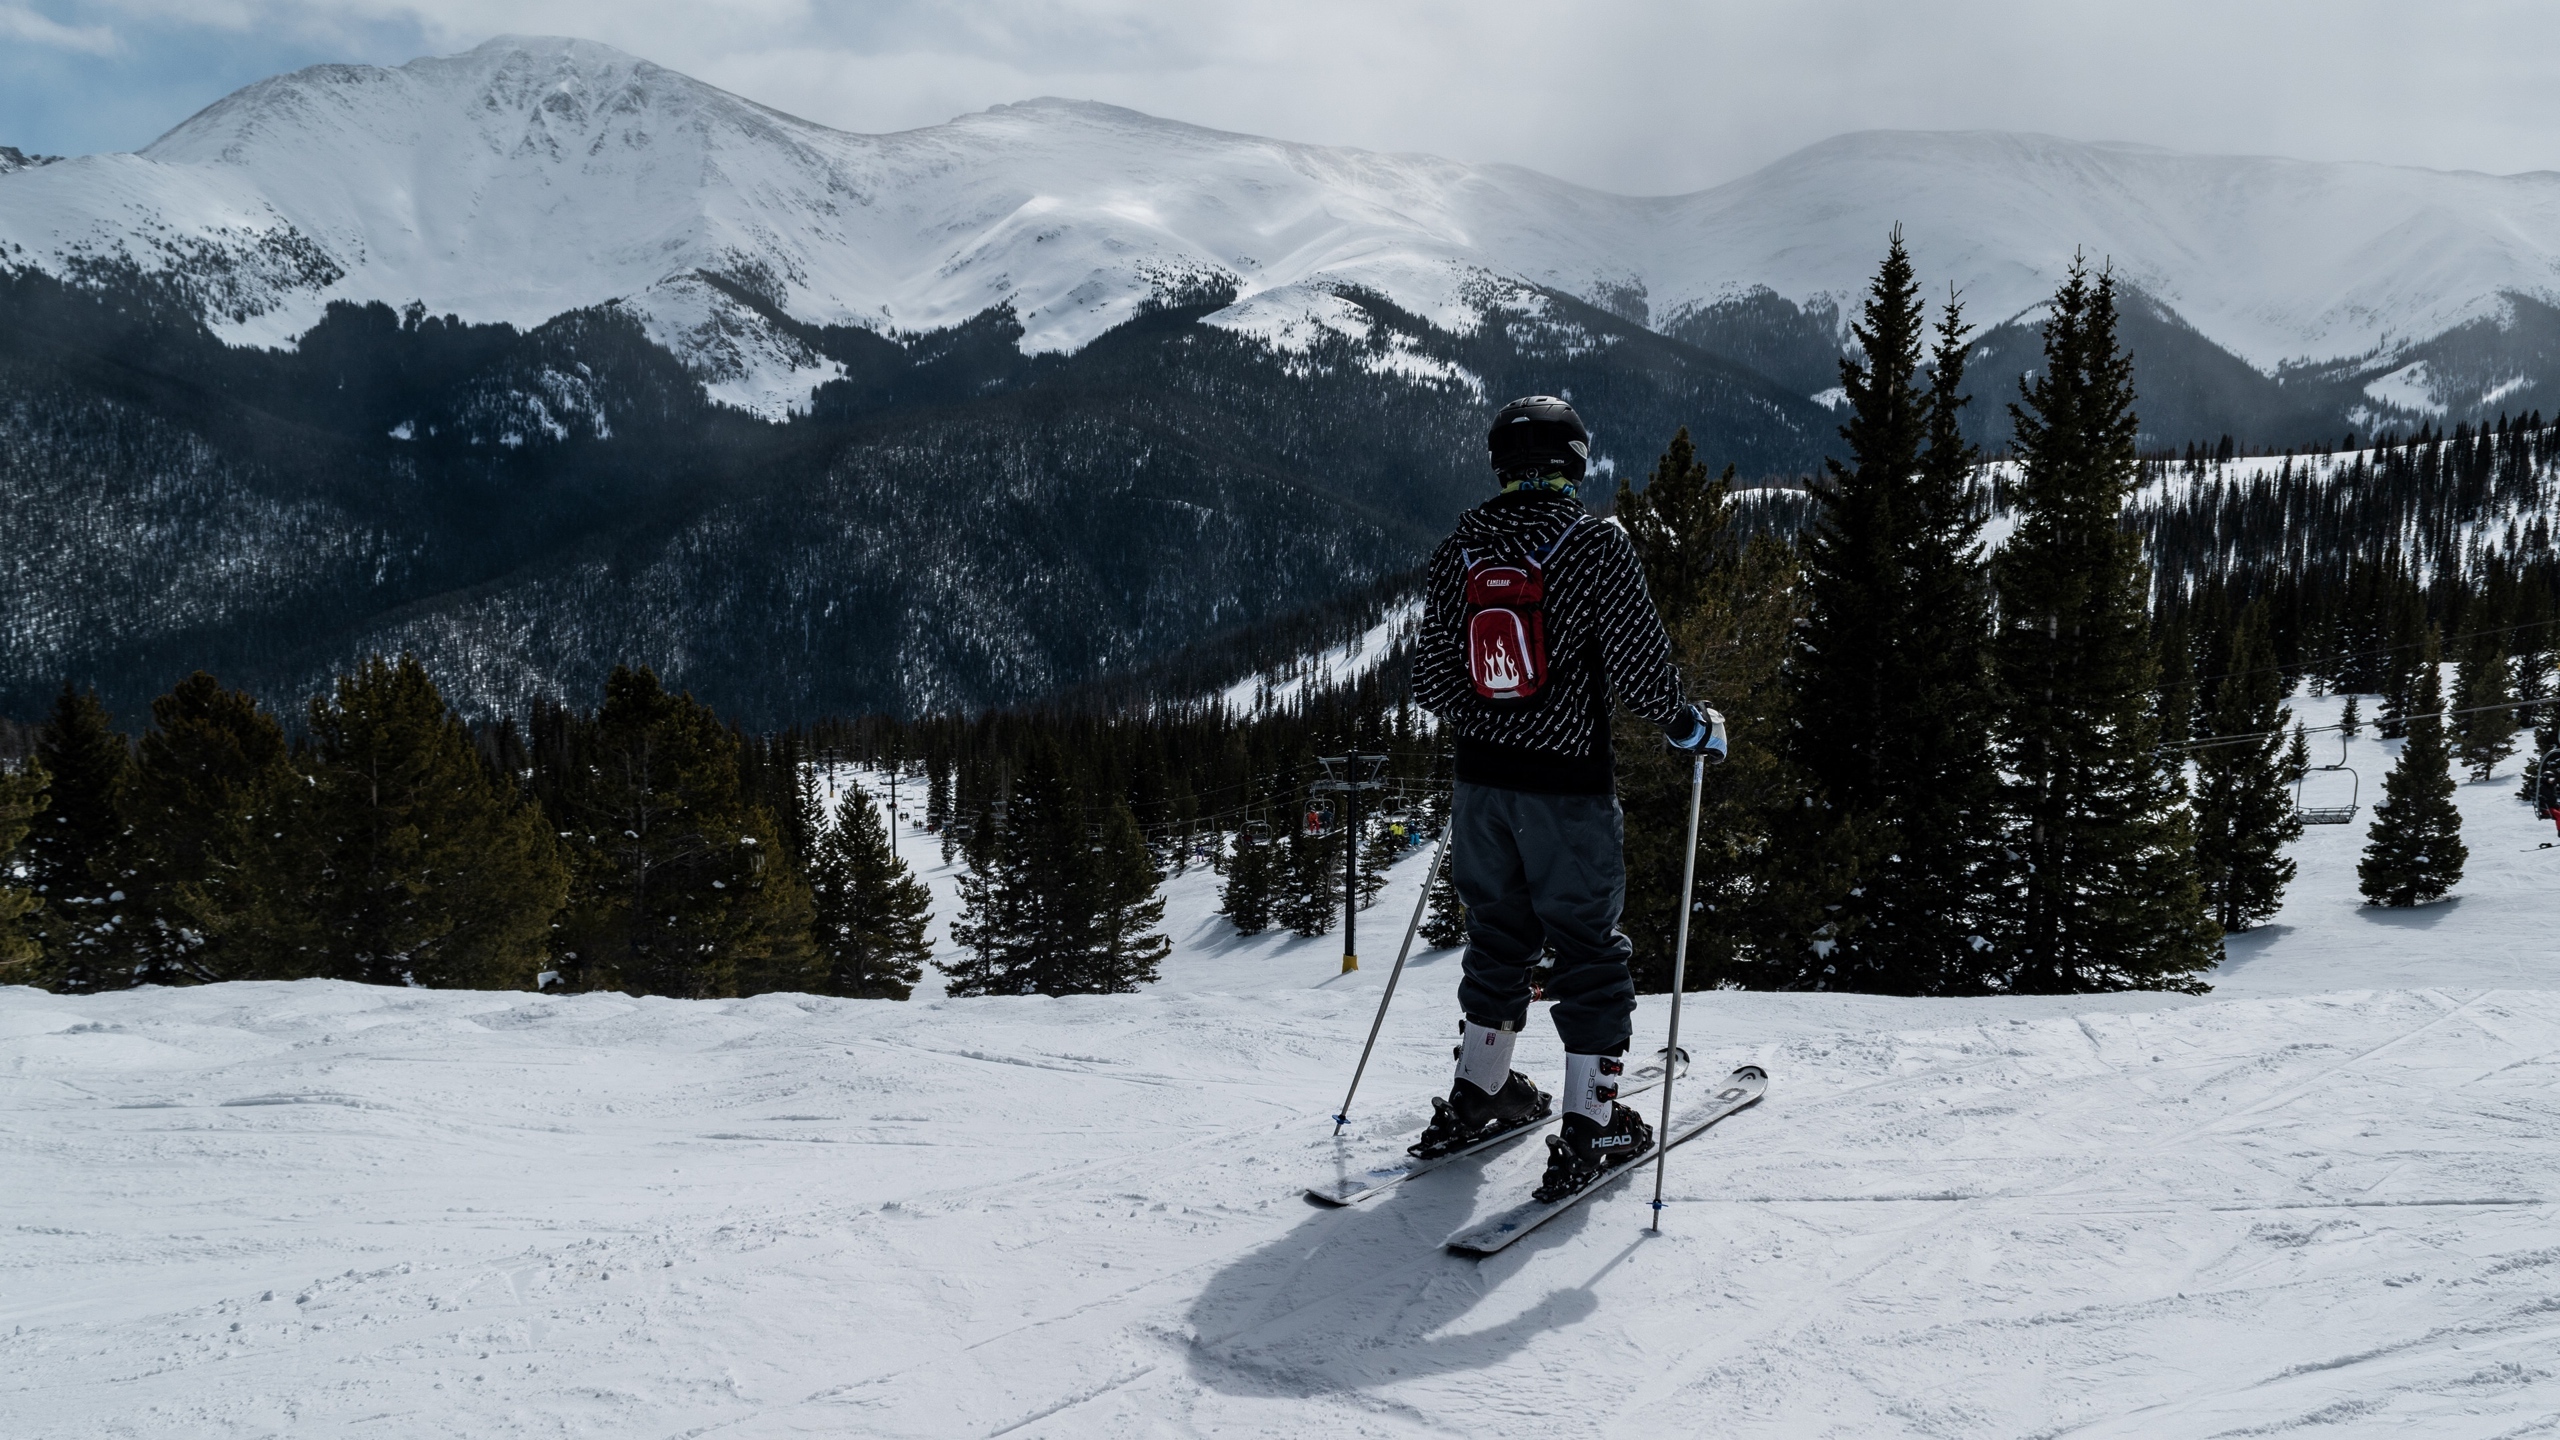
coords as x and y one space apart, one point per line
1742 1090
1352 1187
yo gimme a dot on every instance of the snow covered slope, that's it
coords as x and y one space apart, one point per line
532 176
2317 1202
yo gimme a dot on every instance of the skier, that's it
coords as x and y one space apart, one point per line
1535 618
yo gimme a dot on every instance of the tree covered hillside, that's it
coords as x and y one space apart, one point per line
952 524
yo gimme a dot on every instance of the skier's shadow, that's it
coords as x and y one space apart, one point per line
1367 1295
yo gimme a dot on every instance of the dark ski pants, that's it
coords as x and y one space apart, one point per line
1538 873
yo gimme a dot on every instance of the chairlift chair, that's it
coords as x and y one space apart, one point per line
1319 820
2330 814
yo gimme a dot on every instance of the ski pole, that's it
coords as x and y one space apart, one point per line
1679 979
1342 1116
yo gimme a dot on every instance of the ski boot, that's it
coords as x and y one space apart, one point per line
1586 1148
1470 1115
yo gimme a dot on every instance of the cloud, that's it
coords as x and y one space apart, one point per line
1646 96
20 23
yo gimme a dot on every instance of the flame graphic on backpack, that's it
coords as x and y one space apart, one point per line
1506 624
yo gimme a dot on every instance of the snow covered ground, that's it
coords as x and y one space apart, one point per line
1337 665
2318 1201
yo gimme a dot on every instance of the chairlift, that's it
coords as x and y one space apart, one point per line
1319 819
2330 814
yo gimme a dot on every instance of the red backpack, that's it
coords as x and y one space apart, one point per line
1506 625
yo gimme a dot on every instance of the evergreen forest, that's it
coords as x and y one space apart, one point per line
2002 722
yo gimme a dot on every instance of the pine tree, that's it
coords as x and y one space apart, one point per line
2546 738
2297 755
1929 904
22 797
2406 628
2484 722
1378 855
870 913
1891 715
804 815
402 860
2414 852
1731 610
991 926
1445 923
1182 826
1051 904
937 798
1018 907
2244 809
677 886
78 850
1246 898
2103 890
2350 723
211 765
1309 894
2177 712
1126 949
2532 673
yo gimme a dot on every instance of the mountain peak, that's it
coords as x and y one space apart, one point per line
566 47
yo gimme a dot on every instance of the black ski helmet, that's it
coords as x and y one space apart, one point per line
1539 434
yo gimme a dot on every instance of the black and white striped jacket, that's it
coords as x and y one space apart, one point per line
1604 643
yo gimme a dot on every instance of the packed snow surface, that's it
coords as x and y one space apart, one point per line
532 176
2318 1201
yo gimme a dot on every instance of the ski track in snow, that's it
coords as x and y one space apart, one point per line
2318 1201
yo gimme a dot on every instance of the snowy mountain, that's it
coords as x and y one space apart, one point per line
530 177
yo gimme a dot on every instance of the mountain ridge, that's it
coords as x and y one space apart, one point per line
1076 211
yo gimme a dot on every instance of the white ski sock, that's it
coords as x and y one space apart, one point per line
1484 1055
1589 1088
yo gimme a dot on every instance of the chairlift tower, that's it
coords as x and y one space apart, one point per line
1348 776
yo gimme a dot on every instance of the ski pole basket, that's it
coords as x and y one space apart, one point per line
2331 813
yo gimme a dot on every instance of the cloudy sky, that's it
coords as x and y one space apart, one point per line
1644 96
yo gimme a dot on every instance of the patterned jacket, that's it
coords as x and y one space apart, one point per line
1604 643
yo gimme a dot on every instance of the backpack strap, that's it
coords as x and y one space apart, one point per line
1548 552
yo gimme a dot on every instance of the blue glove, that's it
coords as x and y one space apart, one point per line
1699 732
